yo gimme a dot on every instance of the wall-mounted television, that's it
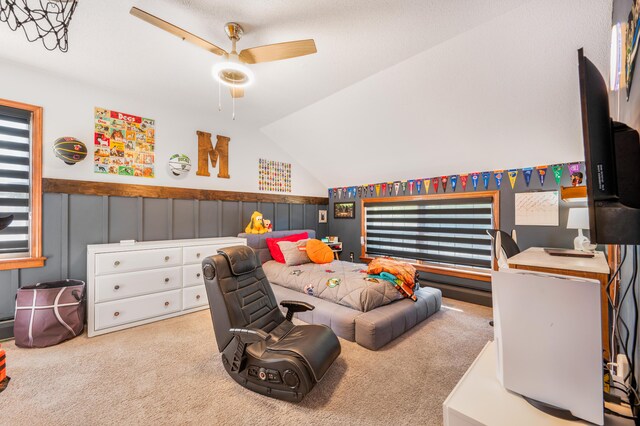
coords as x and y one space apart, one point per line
612 154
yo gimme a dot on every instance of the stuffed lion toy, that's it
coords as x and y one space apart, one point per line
256 226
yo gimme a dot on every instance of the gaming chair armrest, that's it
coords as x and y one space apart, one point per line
294 306
249 335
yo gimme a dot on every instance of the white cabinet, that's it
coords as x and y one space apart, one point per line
130 285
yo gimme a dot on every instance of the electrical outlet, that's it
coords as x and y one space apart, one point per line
622 370
351 256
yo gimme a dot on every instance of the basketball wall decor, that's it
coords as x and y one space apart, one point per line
179 164
70 150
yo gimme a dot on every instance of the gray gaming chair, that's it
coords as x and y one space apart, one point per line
261 349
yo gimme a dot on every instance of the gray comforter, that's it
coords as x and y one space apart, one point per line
353 291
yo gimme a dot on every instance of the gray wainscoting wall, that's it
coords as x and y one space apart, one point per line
349 231
71 222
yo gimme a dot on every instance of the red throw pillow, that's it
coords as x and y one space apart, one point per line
274 249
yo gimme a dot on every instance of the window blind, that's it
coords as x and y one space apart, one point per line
15 180
448 231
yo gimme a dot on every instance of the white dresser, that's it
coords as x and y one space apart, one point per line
130 285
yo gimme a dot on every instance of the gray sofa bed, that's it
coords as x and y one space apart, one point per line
372 329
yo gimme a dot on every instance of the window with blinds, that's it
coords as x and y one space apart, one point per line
450 231
15 181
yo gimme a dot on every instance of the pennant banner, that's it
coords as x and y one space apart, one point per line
335 192
359 191
474 180
557 172
497 174
427 182
377 189
463 182
404 186
542 172
485 179
390 187
418 185
435 184
371 189
574 168
444 180
454 181
330 192
513 175
384 188
396 187
411 187
526 172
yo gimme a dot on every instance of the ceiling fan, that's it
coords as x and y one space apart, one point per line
234 72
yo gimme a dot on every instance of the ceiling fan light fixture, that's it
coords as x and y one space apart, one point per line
232 73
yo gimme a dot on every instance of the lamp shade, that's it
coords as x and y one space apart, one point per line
578 218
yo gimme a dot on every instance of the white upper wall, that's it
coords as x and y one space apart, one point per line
68 111
503 94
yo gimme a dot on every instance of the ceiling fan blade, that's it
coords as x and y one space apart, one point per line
237 92
177 31
278 51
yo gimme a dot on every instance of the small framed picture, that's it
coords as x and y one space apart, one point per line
322 216
344 210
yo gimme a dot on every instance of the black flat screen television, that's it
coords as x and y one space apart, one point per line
612 154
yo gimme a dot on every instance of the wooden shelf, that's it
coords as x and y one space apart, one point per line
570 193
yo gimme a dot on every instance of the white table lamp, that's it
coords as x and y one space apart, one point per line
579 219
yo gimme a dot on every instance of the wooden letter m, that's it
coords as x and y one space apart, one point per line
206 151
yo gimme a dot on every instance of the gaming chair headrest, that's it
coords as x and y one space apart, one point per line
241 259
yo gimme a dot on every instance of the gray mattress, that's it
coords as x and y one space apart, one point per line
372 329
353 291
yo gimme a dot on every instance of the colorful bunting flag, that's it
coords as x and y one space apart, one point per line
485 179
435 184
557 172
574 168
404 186
513 175
330 192
542 172
418 185
339 192
371 189
359 191
427 182
526 172
463 182
498 174
411 187
377 189
335 192
384 188
390 187
474 180
444 180
454 182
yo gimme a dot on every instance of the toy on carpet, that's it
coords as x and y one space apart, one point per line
257 224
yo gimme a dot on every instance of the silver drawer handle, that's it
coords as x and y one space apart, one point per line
198 255
116 287
198 297
116 313
166 280
116 263
166 258
166 303
198 275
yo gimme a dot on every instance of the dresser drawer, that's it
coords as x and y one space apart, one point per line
112 314
197 254
192 275
121 286
126 261
194 297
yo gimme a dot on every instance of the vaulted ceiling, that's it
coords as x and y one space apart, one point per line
412 77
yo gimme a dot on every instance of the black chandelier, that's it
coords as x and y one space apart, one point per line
46 20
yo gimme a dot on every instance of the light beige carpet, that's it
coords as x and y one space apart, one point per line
170 372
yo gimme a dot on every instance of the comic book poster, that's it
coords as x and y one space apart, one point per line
125 144
274 176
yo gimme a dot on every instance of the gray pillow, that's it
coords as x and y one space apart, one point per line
292 253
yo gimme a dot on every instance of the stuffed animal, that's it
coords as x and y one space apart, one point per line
256 226
267 224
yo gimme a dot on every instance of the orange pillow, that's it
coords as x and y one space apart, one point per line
319 252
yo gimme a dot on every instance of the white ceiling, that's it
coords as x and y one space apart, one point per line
355 39
501 95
